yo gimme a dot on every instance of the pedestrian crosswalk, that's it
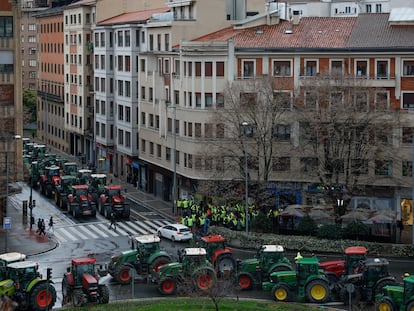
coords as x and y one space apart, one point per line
99 230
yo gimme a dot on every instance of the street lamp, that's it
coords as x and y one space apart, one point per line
6 221
246 177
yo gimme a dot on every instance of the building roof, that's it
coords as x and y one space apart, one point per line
366 31
83 2
132 17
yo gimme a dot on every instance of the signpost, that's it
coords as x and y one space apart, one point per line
6 227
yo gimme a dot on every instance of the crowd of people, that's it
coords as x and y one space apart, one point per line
200 215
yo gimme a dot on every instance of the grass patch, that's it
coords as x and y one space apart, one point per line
188 304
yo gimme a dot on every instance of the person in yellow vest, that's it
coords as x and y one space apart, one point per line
190 223
179 207
185 207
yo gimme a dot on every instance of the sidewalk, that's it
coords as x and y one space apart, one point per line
20 238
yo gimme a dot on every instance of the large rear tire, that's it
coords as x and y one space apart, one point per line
77 298
103 294
158 262
281 292
378 288
121 274
225 264
386 304
410 306
317 291
42 297
66 291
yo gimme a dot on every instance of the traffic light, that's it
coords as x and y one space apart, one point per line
49 273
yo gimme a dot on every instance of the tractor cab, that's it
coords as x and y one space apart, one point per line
23 272
70 168
39 151
84 176
7 259
194 257
81 267
98 181
373 270
147 245
270 254
212 244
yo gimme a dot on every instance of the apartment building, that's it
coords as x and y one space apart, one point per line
11 161
79 19
51 89
373 47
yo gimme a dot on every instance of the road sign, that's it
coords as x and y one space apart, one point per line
7 223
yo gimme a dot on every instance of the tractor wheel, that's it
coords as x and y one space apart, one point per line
378 288
42 297
158 262
225 264
355 295
386 304
204 278
245 280
410 306
317 291
77 298
103 294
121 274
280 292
168 286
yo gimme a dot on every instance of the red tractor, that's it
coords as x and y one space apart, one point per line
80 284
353 256
49 180
80 202
218 254
113 201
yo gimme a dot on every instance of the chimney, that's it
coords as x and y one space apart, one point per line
296 17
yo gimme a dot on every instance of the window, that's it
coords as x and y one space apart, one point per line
151 42
368 8
337 99
166 66
381 101
311 100
143 145
151 148
407 135
408 67
127 38
197 129
361 68
190 129
127 63
158 150
120 38
408 100
220 130
281 132
282 68
167 154
378 8
382 69
359 166
309 164
248 99
143 118
361 101
407 168
157 121
282 100
6 26
142 92
311 68
120 112
120 63
151 120
167 41
248 68
128 114
142 65
336 67
281 164
120 88
120 137
383 167
220 69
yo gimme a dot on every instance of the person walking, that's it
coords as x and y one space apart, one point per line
113 221
51 223
42 227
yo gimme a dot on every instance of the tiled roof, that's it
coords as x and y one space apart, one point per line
311 32
132 17
364 31
373 30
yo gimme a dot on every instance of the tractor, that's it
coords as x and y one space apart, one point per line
80 202
397 298
218 254
113 201
353 255
307 283
49 180
63 189
97 186
194 268
144 257
80 283
84 176
254 271
70 168
25 285
8 258
371 276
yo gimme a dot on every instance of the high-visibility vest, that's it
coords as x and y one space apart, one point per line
190 222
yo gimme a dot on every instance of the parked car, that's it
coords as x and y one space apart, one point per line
175 232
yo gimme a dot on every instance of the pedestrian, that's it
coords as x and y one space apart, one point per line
113 221
39 225
51 224
42 227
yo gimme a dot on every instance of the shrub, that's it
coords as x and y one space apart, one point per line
307 226
356 230
330 231
262 223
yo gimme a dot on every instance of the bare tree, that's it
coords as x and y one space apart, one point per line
343 124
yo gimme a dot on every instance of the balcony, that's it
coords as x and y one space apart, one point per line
364 81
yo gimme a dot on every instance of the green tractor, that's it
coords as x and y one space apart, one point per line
144 258
25 286
84 176
307 283
97 186
63 189
70 168
397 298
80 284
371 277
9 258
254 271
194 268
